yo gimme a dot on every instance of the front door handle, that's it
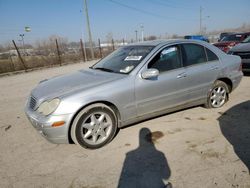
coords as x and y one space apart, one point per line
214 68
182 75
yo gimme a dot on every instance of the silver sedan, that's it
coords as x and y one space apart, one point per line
134 83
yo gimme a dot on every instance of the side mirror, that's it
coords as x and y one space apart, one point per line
150 73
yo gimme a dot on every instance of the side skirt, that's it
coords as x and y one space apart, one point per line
162 112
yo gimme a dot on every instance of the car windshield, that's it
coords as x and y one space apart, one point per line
124 59
247 40
232 38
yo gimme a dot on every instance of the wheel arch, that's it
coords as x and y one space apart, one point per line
228 82
109 104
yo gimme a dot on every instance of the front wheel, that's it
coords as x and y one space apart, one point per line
218 95
94 126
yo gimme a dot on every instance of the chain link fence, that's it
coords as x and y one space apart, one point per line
54 53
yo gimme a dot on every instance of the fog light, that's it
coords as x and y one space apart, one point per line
58 123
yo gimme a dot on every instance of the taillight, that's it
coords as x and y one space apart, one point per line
240 67
232 44
226 49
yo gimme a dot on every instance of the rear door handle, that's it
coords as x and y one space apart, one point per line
214 68
182 75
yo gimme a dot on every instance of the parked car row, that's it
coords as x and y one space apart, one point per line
243 50
229 41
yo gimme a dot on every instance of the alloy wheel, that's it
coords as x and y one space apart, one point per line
96 128
218 96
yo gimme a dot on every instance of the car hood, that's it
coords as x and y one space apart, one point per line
72 83
241 47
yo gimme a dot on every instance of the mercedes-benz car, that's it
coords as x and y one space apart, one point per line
134 83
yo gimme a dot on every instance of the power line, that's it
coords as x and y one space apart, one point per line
170 5
147 12
136 9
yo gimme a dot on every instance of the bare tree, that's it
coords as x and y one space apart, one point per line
48 46
2 49
109 37
151 37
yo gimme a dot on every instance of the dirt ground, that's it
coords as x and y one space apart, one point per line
194 148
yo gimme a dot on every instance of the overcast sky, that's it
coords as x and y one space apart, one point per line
120 17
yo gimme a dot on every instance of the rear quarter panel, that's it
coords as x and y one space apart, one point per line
230 68
229 65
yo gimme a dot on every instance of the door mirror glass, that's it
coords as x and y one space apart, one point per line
150 73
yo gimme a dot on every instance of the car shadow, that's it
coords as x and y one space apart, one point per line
145 166
235 126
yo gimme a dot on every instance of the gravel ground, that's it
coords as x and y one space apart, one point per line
196 147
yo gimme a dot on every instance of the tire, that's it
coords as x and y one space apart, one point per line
218 95
94 126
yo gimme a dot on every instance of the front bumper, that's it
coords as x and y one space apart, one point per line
43 124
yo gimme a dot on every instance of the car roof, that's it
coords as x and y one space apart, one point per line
194 36
242 33
164 42
149 43
226 33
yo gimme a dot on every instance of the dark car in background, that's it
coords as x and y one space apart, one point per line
231 40
197 37
222 35
243 50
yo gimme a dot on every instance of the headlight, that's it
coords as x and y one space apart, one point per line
48 107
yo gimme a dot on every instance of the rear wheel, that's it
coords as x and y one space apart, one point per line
94 126
218 95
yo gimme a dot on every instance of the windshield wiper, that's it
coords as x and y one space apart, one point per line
103 69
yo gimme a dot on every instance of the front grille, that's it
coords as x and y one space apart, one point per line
243 55
32 103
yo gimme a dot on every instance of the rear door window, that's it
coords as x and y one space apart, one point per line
211 55
193 54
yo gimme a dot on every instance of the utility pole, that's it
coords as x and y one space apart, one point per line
136 38
22 36
200 20
88 27
142 34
